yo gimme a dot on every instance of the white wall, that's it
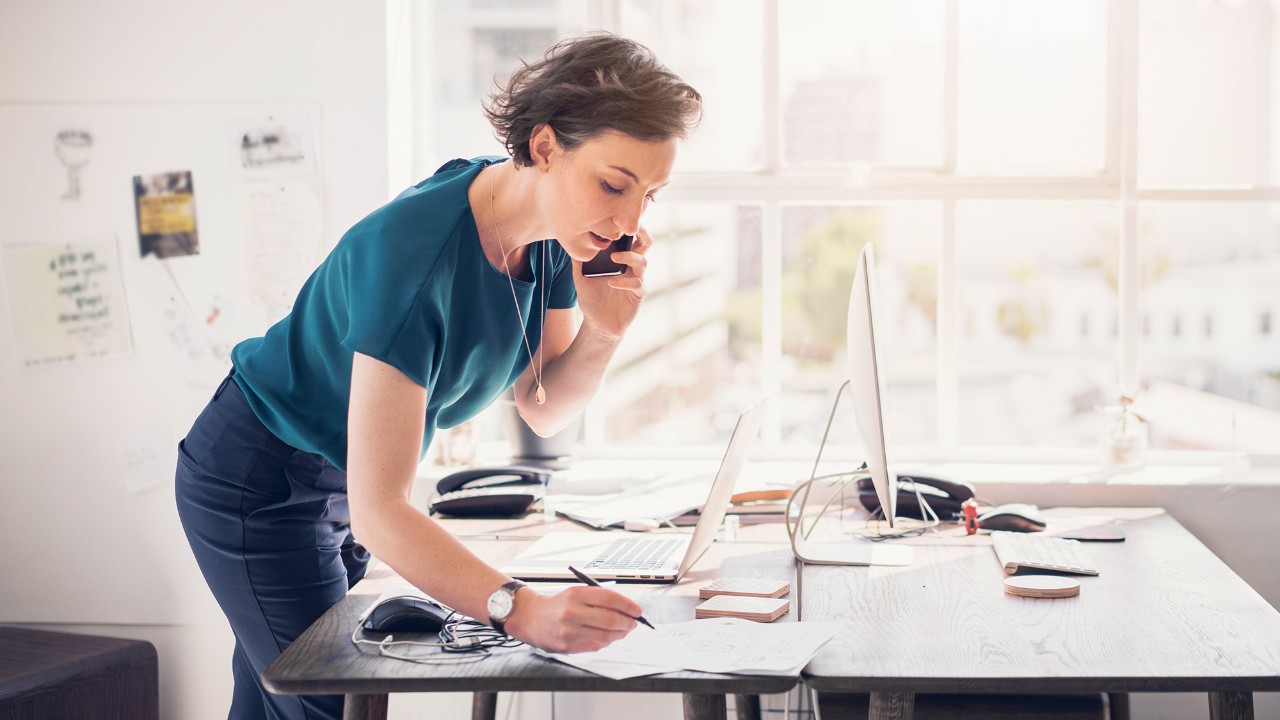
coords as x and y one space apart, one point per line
66 504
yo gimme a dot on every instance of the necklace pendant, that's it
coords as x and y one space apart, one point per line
540 395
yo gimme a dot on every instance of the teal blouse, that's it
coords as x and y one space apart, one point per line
410 286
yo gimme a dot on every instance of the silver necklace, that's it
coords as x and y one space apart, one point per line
539 394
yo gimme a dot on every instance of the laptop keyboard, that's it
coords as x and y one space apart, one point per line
635 554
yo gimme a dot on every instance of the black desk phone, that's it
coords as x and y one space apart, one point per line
944 496
500 491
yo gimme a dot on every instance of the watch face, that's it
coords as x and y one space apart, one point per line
499 605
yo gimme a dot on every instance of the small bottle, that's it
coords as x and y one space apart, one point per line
731 525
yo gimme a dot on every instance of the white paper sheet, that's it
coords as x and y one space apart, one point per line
67 301
273 147
281 239
721 645
147 456
159 302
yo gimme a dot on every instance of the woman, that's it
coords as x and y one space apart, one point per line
426 311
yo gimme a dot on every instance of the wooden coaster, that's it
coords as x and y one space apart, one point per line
752 587
1042 586
749 608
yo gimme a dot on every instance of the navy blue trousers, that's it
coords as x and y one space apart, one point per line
270 529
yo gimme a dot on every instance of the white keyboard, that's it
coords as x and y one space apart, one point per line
1021 550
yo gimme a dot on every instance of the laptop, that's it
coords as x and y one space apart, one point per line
642 557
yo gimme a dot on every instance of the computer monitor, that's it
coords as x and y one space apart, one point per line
867 384
867 388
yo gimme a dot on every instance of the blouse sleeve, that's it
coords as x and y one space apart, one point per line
389 315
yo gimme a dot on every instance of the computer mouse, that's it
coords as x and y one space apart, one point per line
1014 517
406 614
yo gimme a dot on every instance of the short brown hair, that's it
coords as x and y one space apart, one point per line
587 84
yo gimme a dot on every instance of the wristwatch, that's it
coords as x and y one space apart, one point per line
502 603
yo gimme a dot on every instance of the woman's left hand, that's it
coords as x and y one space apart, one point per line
610 304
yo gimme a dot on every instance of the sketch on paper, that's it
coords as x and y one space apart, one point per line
275 146
67 301
166 212
72 147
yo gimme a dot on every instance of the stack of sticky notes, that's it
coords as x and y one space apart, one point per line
746 598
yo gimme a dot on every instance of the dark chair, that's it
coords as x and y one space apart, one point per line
64 675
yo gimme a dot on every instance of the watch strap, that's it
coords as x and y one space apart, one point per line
511 589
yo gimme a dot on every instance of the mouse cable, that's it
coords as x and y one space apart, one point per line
387 645
464 634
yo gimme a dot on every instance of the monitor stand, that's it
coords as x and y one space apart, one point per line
839 552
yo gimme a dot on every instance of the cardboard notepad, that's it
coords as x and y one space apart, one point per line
752 587
748 608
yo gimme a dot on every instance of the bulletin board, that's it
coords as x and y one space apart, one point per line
138 244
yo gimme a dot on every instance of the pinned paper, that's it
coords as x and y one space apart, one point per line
166 212
148 458
281 237
158 299
273 147
67 301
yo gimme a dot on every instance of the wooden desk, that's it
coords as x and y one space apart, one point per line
323 660
1164 615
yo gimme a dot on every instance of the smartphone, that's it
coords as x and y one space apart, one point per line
601 265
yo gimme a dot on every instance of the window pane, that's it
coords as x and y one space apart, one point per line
690 362
1209 83
1211 286
1038 346
862 82
717 47
1033 86
820 253
468 54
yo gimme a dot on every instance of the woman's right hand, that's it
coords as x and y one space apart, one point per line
578 619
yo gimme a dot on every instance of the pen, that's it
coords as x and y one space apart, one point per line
592 582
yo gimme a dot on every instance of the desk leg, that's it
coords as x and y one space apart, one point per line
799 604
484 705
892 706
365 707
1230 706
748 706
704 707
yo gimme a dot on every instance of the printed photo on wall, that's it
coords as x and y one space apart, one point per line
166 209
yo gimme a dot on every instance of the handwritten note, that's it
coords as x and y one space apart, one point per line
281 238
67 301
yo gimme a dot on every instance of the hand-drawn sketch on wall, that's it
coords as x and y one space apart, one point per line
67 301
166 211
281 238
274 147
72 147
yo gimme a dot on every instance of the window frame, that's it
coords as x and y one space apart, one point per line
774 186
